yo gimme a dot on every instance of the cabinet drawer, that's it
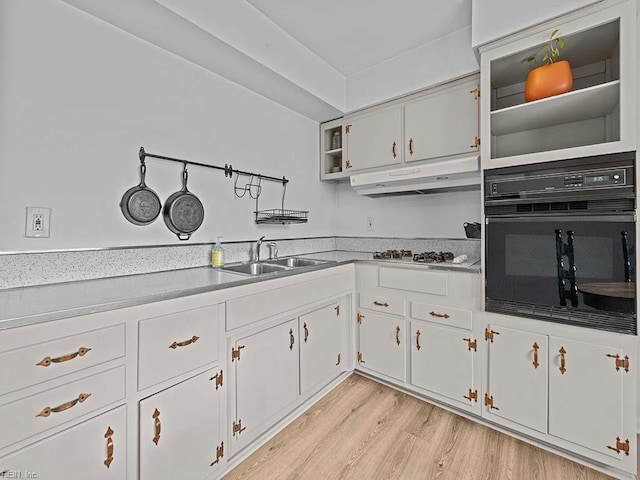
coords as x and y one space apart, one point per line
425 281
395 306
174 344
443 315
38 363
95 449
32 415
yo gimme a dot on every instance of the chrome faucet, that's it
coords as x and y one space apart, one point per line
258 244
273 250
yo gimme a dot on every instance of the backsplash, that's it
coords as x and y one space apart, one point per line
39 268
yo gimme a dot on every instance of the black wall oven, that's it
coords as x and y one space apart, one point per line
560 242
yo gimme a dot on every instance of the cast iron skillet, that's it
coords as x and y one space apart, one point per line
140 205
183 213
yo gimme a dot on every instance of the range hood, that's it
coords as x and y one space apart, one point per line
433 177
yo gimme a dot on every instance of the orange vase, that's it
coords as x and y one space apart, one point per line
548 80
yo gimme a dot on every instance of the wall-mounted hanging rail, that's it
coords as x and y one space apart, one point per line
227 169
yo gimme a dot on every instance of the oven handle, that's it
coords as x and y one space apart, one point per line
613 218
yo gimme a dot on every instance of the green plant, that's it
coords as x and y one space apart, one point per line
551 51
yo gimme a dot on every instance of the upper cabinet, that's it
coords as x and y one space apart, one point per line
596 117
438 123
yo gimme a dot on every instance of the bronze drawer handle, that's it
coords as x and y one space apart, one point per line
378 304
535 347
562 360
192 340
418 347
393 150
46 361
411 146
306 333
46 411
398 335
108 434
439 315
292 340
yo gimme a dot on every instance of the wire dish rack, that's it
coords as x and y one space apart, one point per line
279 215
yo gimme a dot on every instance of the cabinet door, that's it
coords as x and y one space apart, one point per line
94 449
517 385
441 360
444 123
374 140
383 344
585 394
266 376
180 430
319 346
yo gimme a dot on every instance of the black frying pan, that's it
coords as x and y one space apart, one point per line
183 213
140 205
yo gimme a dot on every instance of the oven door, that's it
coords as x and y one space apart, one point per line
573 269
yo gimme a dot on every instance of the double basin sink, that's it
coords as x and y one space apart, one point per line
273 266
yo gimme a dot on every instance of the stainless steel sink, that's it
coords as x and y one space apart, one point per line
255 268
294 262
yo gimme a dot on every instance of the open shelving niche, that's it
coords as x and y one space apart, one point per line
331 162
587 115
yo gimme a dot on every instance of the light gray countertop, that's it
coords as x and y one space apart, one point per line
30 305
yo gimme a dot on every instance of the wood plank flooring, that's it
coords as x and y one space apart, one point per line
365 430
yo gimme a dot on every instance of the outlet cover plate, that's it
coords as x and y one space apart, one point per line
37 222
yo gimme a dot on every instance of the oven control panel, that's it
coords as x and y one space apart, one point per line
615 177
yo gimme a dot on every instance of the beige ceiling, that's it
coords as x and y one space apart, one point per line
353 35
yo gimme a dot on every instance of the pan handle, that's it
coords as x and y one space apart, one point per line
143 171
183 236
185 175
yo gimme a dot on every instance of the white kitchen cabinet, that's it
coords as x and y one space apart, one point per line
333 142
442 361
180 435
518 370
383 344
586 394
443 123
94 449
596 117
374 139
266 378
320 346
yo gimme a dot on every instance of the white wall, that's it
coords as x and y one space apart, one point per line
78 97
492 19
438 215
446 58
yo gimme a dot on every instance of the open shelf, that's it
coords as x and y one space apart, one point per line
592 102
334 153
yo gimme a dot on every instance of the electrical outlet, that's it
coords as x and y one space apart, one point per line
37 222
370 226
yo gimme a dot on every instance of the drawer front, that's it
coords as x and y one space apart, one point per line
45 361
381 303
32 415
175 344
245 310
424 281
95 449
453 317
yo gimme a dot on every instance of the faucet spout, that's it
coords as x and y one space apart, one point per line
258 245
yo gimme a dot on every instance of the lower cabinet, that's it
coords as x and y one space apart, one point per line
517 388
383 346
585 394
180 434
94 449
442 361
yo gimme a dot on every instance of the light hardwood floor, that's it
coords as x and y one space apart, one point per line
365 430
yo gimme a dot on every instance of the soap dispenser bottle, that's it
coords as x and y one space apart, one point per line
217 254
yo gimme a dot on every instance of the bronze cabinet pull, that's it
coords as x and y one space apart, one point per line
291 339
306 333
108 434
439 315
562 360
398 335
156 418
393 149
348 164
411 146
46 411
378 304
192 340
46 361
620 362
535 347
418 340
